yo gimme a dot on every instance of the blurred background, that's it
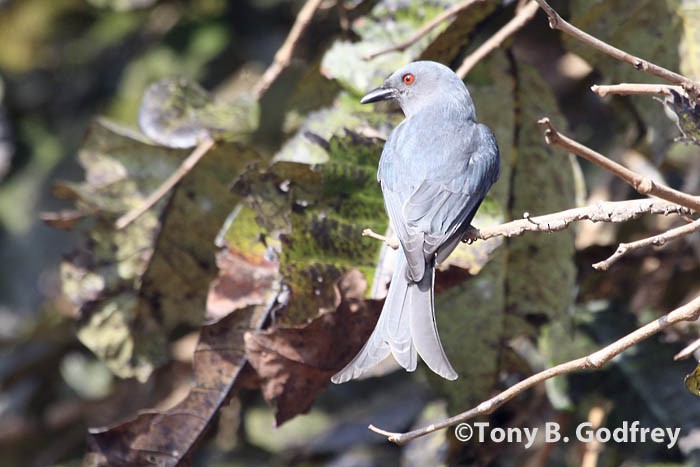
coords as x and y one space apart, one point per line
63 63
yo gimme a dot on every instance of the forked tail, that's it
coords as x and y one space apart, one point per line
406 328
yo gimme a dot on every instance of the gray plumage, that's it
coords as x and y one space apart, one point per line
435 169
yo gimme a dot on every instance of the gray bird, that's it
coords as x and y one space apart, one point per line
435 169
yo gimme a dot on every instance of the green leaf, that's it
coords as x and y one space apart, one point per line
692 381
180 114
134 286
318 213
387 25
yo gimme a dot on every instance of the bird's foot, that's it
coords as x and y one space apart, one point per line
471 235
392 242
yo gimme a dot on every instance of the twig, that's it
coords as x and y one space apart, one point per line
687 312
606 211
425 29
163 189
688 350
656 240
556 22
391 242
643 185
283 57
592 448
369 132
626 89
521 18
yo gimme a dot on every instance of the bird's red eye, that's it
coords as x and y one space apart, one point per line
408 78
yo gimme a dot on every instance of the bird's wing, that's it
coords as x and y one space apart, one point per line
432 198
411 239
443 209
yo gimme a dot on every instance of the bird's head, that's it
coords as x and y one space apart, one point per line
423 84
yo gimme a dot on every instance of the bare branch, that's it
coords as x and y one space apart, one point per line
607 211
283 57
687 312
656 240
520 19
425 29
626 89
604 211
556 22
391 242
643 185
592 448
167 185
687 351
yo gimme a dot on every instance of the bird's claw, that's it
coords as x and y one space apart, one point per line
471 235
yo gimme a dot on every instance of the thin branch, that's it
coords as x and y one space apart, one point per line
687 312
643 185
656 240
425 29
283 57
687 351
521 18
606 211
556 22
167 185
626 89
592 448
391 242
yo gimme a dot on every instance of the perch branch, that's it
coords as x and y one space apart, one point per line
604 211
167 185
656 240
644 185
391 242
688 312
425 29
626 89
520 19
556 22
283 57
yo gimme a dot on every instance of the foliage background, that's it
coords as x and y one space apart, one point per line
535 302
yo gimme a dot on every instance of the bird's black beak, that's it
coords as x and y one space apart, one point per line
379 94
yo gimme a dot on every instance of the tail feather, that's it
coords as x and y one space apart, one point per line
406 329
421 306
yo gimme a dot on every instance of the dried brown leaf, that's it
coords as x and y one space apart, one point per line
241 283
64 220
166 438
295 364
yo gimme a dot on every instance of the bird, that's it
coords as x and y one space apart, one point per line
436 168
